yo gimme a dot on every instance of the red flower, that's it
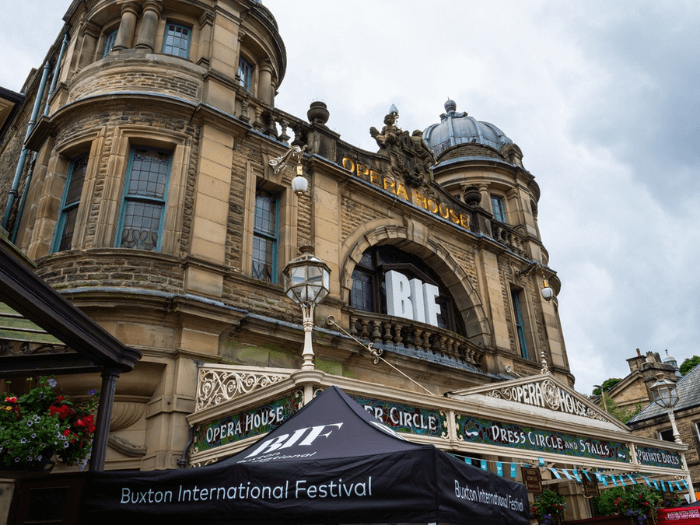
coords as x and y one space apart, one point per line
66 432
79 423
64 411
12 399
646 503
59 398
90 424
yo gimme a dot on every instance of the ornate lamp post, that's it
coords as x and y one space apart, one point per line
666 396
307 282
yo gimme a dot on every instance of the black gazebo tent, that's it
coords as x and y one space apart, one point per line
330 463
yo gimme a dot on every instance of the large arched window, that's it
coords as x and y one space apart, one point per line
369 283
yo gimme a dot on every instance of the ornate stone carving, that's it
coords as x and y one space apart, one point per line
218 386
409 154
125 414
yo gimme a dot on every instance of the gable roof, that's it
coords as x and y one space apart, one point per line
688 388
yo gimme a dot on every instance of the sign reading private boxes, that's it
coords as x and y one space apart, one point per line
405 418
655 457
532 479
252 422
526 438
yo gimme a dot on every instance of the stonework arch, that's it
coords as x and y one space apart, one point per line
414 237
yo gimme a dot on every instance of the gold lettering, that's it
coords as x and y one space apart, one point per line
362 171
464 221
375 178
389 183
401 192
453 216
432 206
420 200
348 164
446 213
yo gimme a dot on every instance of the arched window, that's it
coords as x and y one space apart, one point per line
369 283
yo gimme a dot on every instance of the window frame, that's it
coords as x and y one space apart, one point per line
245 83
111 36
518 320
274 239
165 40
67 208
498 206
126 197
668 432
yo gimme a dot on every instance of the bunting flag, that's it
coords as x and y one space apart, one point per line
541 461
513 470
670 486
605 481
663 485
499 468
622 480
612 478
468 461
576 475
566 473
556 474
484 465
647 480
656 485
686 484
631 479
678 485
585 473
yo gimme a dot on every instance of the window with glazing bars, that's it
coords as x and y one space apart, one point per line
176 40
519 325
265 235
245 73
63 237
143 205
109 42
499 210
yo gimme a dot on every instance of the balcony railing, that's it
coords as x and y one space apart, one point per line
419 339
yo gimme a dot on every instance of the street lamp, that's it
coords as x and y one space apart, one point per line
666 396
547 292
307 282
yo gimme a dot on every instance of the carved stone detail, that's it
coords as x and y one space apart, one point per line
218 386
125 414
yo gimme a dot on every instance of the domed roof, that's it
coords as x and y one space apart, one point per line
459 128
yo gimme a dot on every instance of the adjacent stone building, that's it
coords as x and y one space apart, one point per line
151 190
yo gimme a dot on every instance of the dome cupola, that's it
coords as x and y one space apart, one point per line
459 128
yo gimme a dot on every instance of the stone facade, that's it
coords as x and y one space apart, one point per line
194 294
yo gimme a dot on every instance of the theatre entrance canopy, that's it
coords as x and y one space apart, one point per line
536 421
332 462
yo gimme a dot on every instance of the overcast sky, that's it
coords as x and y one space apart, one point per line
602 97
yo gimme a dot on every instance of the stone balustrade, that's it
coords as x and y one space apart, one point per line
506 235
396 334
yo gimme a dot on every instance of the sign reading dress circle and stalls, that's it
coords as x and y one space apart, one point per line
252 422
526 438
655 457
406 418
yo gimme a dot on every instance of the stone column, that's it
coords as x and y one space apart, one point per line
87 50
206 22
127 26
149 23
104 417
485 197
265 82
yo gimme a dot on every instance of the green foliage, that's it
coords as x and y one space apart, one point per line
623 414
638 502
607 385
40 424
549 507
689 364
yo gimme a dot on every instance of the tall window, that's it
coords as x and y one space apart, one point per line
109 42
519 325
667 435
499 210
176 40
63 237
143 205
245 73
369 283
265 235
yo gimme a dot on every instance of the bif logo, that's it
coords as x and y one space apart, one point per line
277 447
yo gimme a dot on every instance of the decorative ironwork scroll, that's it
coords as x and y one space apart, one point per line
218 386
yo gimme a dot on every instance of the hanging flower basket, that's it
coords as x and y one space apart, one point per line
549 508
39 425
